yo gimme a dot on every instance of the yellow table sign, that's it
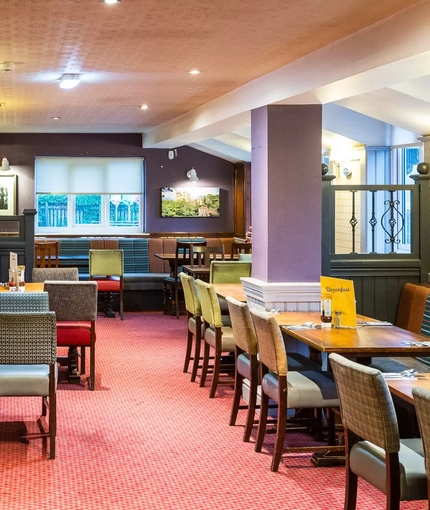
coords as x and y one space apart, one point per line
343 299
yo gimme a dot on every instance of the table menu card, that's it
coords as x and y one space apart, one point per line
343 299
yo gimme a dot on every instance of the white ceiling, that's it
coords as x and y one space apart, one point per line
356 57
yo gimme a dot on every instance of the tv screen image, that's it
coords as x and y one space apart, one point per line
190 202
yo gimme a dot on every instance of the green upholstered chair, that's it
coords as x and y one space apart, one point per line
24 302
218 335
172 285
75 305
229 271
374 450
28 362
307 389
422 408
40 274
107 269
194 322
246 366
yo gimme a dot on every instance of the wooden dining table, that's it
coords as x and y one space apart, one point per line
29 287
402 388
234 290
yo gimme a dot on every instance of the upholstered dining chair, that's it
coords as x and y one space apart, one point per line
229 271
308 389
41 274
246 366
28 362
373 448
218 335
172 285
422 408
75 305
24 302
195 323
107 269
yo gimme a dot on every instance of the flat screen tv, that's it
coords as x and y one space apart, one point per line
190 202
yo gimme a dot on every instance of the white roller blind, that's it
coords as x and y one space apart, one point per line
122 176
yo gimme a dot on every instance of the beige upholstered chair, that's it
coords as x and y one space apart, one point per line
217 335
40 274
374 450
289 389
75 305
247 362
107 269
422 407
195 325
28 362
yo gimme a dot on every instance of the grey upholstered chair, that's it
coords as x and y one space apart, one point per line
422 407
28 362
247 363
218 335
374 450
24 302
75 305
195 324
41 274
308 389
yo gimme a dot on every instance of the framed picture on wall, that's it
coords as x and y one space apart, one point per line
190 202
7 195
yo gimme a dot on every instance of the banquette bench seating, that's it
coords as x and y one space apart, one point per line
143 271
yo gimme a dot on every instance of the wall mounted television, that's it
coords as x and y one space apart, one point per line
190 202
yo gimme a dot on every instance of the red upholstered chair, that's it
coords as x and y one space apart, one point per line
75 306
107 269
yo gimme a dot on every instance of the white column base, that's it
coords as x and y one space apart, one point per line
283 296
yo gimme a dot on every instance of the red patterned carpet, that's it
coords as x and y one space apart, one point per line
147 438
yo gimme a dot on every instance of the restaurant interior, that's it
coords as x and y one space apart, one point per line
214 255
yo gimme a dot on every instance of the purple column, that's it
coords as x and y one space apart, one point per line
286 193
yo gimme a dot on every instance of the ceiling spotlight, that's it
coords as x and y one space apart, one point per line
192 175
69 81
144 107
110 1
194 71
55 118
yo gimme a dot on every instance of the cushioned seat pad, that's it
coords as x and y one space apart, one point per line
25 380
368 461
227 341
74 333
305 389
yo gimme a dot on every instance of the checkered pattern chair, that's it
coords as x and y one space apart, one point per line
422 407
307 389
75 305
41 274
374 450
218 335
24 302
246 366
28 362
195 324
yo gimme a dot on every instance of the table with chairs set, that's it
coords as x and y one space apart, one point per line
350 401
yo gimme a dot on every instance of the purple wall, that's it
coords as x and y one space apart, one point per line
286 158
21 149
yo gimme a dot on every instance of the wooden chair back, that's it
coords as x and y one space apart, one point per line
237 248
46 253
203 255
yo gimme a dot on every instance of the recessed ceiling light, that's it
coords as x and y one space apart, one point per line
194 71
110 1
55 118
69 81
144 107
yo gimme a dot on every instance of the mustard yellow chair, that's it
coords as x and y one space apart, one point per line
107 269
